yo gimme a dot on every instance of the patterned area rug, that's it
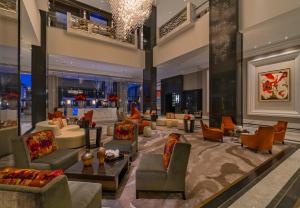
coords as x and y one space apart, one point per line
212 167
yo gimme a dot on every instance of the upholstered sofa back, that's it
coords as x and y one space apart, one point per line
54 194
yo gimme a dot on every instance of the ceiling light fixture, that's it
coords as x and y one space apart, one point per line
128 15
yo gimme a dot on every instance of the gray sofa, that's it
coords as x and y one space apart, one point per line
6 135
59 193
152 176
60 159
125 146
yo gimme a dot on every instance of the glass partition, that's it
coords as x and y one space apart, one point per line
9 90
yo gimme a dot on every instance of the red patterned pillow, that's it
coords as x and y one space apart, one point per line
169 146
124 131
41 143
27 177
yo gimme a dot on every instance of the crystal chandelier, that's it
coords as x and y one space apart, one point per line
128 15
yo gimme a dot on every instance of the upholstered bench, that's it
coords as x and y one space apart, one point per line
69 136
58 159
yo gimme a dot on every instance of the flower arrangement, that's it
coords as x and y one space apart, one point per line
11 96
80 97
113 98
187 117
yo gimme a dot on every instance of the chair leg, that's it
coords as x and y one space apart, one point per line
242 145
282 142
270 151
136 194
183 196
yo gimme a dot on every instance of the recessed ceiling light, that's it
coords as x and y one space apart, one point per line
269 42
286 37
255 46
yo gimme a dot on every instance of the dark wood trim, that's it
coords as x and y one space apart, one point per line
19 68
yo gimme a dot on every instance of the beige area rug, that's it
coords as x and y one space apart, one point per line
212 167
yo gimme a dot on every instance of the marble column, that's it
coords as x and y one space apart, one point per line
150 72
224 57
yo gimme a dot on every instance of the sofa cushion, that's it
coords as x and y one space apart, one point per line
40 144
124 131
85 195
169 146
122 145
60 159
27 177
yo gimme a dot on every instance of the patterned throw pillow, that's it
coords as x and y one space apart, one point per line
124 131
27 177
169 146
41 143
60 122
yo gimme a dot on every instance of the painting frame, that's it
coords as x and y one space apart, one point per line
276 71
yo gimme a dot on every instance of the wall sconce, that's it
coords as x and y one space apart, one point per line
93 102
68 102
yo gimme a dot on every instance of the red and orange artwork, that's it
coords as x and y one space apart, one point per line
274 85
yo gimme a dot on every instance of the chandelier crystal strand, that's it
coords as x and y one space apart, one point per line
128 15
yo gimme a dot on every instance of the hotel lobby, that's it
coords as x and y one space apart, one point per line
149 103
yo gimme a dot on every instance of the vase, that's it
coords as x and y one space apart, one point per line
87 158
101 155
81 104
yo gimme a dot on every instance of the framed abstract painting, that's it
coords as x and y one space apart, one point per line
274 85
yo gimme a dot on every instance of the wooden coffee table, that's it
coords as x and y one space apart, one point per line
109 175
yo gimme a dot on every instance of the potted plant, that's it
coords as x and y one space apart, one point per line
113 99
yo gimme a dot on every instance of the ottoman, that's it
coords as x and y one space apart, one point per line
147 131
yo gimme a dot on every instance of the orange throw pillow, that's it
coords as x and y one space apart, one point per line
40 144
28 177
169 146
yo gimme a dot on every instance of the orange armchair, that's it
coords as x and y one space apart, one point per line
212 133
228 124
135 113
261 140
280 129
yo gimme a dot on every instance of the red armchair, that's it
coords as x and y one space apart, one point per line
280 129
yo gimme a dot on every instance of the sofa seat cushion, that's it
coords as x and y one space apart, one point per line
60 159
125 146
71 138
71 127
85 195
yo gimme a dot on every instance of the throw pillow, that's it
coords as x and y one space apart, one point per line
40 144
28 177
169 146
59 122
124 131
